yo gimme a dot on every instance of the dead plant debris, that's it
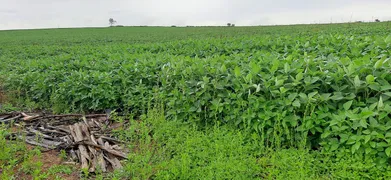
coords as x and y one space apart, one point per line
85 138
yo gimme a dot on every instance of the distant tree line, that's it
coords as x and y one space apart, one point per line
230 25
112 22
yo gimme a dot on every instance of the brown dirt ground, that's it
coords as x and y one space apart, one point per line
48 159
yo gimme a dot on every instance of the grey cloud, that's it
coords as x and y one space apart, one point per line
7 11
15 14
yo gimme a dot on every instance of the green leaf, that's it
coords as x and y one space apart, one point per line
373 122
385 87
258 88
279 82
310 95
254 68
347 105
296 103
283 90
374 133
275 66
370 79
352 140
388 151
334 146
387 94
325 96
383 115
237 71
372 144
337 96
355 147
287 68
366 131
307 44
343 138
367 138
223 68
299 76
378 64
388 39
373 106
292 96
333 122
325 134
368 150
367 113
380 104
363 123
249 77
382 144
350 96
387 108
375 87
357 82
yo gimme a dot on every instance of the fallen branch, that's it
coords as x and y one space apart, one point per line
111 139
29 141
52 131
76 115
11 119
28 117
111 151
59 128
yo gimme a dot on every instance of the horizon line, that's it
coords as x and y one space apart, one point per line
171 26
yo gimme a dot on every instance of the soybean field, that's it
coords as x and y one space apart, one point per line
318 93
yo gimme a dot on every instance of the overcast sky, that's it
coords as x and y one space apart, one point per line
22 14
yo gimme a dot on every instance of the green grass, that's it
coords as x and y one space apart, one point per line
17 161
11 154
174 150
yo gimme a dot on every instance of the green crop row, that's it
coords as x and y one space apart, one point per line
327 87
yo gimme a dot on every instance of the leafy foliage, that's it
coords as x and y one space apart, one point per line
177 150
326 87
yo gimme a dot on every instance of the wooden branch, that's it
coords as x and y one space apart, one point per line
101 161
84 157
32 142
111 151
10 119
115 163
4 117
59 128
73 155
111 139
35 133
28 117
52 131
75 115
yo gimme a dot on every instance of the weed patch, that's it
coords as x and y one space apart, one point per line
176 150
